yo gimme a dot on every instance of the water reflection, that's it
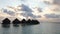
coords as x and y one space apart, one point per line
27 30
43 28
6 25
16 29
16 25
5 28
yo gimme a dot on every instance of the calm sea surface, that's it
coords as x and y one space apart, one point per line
42 28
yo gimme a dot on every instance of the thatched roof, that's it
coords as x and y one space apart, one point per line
6 21
16 21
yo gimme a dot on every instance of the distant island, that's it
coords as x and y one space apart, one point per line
23 21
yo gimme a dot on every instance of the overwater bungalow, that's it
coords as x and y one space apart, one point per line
16 21
28 21
6 21
23 21
35 22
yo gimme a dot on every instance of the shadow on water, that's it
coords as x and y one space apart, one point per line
29 24
6 25
5 28
16 25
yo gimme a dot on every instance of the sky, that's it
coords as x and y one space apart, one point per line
43 10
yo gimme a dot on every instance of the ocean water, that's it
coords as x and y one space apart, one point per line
42 28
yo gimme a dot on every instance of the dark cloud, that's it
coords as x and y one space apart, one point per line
39 9
47 2
56 2
52 15
31 15
25 8
9 12
28 11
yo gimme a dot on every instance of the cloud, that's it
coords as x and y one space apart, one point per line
52 15
23 0
53 5
52 2
24 10
8 12
28 11
30 15
39 9
48 1
57 9
56 2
